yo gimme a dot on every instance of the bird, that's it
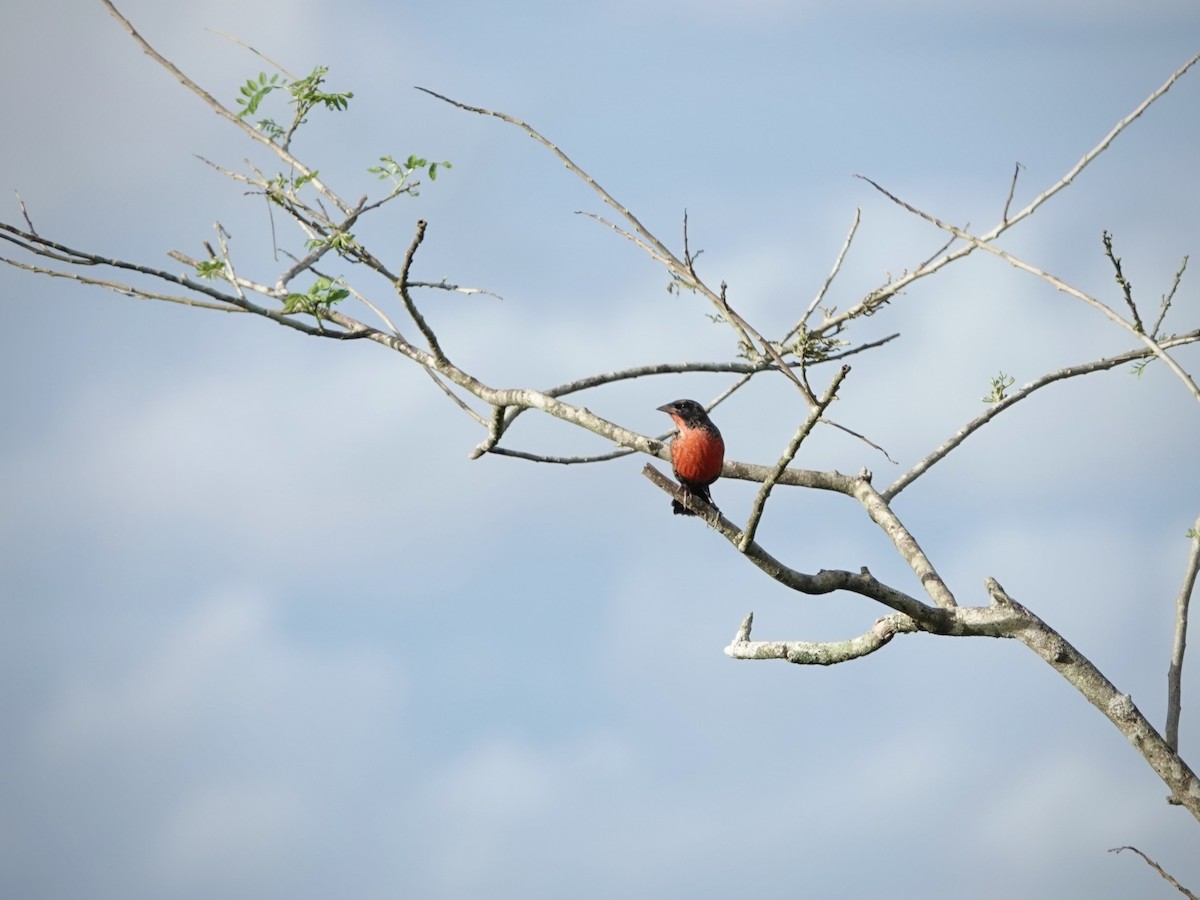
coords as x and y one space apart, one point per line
697 452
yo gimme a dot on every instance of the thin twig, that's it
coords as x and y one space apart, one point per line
833 273
258 53
1126 287
566 161
633 238
560 460
1179 645
119 288
1168 297
402 287
25 213
227 259
453 396
1012 189
1159 869
321 248
785 460
736 322
384 317
862 437
458 289
746 327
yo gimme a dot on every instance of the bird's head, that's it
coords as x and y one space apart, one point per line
685 412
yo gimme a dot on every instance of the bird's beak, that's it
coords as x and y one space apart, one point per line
668 408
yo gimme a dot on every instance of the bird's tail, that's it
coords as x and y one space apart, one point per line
699 491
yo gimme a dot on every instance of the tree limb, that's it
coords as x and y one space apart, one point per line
807 653
1179 644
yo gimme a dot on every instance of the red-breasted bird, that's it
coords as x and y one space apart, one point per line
697 451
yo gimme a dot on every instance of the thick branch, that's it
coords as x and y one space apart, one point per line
1101 693
1003 618
826 581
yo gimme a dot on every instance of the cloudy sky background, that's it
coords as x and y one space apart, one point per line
266 632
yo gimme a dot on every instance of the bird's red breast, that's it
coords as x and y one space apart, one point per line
697 451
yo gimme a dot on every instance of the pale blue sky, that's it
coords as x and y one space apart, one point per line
266 632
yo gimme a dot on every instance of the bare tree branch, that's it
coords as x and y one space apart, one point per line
402 288
1168 297
1126 287
120 288
1003 617
859 487
833 273
1179 644
659 250
807 653
1159 869
1012 189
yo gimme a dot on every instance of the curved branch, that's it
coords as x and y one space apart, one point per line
825 653
825 581
1160 870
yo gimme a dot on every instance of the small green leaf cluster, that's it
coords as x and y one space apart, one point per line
341 241
306 94
254 92
319 299
399 173
815 348
208 269
282 187
1000 385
